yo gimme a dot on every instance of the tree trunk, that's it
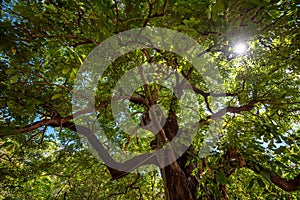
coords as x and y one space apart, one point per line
179 183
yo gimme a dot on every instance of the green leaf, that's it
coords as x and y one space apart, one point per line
14 78
56 96
280 150
214 13
261 182
257 2
66 69
296 159
6 144
219 5
266 176
6 131
10 71
221 177
251 183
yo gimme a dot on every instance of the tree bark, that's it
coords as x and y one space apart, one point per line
178 180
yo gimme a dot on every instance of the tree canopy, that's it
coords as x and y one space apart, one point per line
255 47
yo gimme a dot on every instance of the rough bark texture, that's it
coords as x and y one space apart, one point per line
178 180
289 186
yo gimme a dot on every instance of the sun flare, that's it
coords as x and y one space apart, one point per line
240 48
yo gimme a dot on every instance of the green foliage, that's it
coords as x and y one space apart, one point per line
43 44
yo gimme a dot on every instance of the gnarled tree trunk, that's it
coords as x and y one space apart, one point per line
178 180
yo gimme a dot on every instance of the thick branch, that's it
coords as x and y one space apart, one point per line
57 121
247 107
201 92
287 185
232 156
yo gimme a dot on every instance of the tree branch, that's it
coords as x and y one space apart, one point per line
232 156
150 15
287 185
127 187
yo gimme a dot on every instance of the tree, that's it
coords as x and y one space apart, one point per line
44 43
